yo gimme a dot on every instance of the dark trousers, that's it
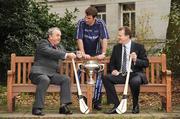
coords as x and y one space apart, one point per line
110 80
43 81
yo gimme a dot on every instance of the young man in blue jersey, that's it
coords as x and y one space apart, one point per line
92 36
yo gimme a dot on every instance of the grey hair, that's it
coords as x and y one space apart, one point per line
51 30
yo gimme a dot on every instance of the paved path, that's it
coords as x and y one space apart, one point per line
143 115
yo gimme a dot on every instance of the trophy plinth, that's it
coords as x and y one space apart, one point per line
90 67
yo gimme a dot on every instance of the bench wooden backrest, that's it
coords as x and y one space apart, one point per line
21 66
156 68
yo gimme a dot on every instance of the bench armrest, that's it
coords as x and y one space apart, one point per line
168 72
166 76
10 72
10 76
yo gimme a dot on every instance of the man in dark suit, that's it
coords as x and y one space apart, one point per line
44 72
118 67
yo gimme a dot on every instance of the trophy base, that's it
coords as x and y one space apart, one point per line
91 82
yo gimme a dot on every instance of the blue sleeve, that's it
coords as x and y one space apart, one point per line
79 30
103 31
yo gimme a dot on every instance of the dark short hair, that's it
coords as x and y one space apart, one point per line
127 31
91 11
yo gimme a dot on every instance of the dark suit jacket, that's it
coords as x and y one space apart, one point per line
142 60
46 60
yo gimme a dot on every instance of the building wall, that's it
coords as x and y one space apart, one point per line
157 9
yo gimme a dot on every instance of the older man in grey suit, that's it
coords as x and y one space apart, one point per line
44 72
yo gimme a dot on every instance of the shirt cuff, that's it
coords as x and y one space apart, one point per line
65 56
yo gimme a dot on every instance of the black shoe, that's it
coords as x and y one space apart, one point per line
112 111
37 111
64 110
97 107
135 109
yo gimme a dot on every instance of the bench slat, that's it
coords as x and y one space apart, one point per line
157 74
24 73
119 88
155 59
29 68
152 72
147 74
19 73
27 59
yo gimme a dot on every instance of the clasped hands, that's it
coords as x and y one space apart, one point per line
79 54
86 56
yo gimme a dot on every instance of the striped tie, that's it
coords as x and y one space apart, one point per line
124 61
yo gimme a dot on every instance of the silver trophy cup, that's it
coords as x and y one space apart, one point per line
90 67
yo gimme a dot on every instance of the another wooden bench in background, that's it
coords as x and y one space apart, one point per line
18 81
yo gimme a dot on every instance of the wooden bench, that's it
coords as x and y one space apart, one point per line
18 81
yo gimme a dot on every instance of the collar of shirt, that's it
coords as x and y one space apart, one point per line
128 47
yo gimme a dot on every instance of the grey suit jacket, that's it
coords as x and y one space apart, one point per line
46 59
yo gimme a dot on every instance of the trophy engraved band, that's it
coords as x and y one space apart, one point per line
90 67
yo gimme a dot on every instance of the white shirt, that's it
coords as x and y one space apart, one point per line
128 49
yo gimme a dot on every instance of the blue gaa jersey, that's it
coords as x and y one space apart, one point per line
91 35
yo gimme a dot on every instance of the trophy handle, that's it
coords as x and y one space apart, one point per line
81 67
101 67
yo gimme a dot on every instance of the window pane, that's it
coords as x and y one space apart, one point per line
133 23
99 16
125 19
128 7
101 12
101 8
104 17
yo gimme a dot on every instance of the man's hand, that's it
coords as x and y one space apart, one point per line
134 56
79 54
86 56
71 55
101 56
115 72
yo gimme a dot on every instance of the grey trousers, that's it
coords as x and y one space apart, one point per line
43 81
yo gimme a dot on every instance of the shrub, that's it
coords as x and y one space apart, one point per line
23 22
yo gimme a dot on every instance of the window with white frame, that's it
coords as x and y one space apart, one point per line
101 12
128 16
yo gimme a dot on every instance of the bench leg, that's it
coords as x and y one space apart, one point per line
10 104
89 96
166 103
168 94
163 103
13 103
168 100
